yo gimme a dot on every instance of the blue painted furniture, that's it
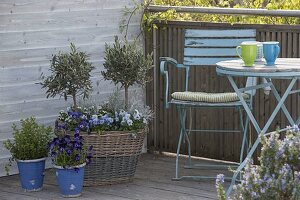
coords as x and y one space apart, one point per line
284 68
205 48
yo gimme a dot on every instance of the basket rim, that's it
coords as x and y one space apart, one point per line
106 133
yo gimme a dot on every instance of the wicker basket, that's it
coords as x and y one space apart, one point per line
115 157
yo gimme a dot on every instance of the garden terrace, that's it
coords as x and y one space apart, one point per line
31 32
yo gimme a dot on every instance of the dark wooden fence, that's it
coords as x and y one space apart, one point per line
167 40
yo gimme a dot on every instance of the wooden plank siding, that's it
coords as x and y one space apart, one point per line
215 145
31 31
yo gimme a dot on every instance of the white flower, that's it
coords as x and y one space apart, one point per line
136 116
129 122
127 116
122 113
136 112
94 116
145 121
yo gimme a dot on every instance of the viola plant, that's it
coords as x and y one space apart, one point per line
70 151
277 176
72 119
117 121
102 119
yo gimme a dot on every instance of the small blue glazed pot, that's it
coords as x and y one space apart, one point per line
32 174
70 180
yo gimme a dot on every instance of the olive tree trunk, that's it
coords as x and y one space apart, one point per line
74 101
126 96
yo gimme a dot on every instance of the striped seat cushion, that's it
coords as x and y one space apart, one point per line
208 97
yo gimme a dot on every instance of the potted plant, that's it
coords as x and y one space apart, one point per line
126 64
278 174
29 150
70 75
69 156
116 135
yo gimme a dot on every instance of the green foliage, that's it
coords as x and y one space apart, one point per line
148 18
30 141
70 75
126 64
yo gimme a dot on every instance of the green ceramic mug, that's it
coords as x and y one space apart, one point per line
248 52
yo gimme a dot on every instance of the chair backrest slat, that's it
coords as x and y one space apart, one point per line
207 47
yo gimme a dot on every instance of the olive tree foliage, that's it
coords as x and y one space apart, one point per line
70 75
125 63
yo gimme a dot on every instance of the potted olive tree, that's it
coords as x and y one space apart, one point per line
70 75
29 149
126 64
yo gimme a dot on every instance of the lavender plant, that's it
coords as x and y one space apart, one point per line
278 175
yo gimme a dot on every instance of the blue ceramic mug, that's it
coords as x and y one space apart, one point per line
271 51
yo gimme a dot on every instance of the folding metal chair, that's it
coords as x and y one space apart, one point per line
198 45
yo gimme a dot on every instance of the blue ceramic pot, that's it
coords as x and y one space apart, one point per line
32 174
70 180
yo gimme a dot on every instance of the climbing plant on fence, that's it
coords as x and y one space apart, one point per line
256 4
149 17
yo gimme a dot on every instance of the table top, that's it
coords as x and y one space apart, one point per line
283 68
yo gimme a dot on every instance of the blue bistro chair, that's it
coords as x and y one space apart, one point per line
201 48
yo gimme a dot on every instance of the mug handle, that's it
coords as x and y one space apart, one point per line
237 51
277 50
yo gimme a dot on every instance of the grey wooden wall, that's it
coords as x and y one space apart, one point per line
30 32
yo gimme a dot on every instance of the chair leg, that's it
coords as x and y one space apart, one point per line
188 140
189 149
244 130
182 118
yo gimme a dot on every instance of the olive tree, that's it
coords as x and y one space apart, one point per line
126 64
70 75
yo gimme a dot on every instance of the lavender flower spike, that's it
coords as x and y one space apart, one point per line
296 128
220 179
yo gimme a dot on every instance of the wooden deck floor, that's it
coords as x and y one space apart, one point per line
152 181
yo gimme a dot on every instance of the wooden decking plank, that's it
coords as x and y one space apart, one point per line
175 188
140 192
13 196
152 181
